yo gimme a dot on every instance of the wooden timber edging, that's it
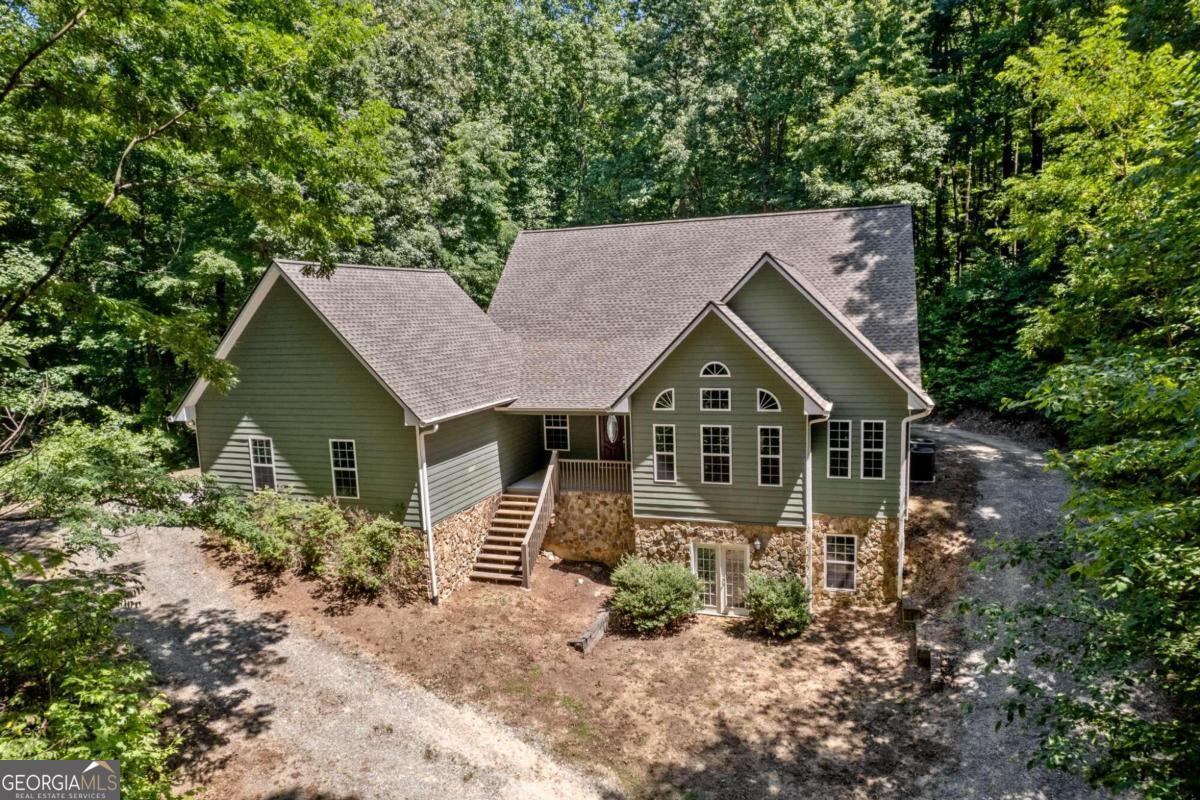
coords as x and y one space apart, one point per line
590 637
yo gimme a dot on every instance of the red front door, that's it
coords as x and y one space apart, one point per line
612 449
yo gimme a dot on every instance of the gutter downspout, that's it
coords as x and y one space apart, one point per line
902 511
808 558
426 519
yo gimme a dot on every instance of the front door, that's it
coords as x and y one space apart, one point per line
612 438
721 569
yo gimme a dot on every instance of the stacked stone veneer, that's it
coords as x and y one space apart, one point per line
878 549
591 526
783 551
600 526
457 540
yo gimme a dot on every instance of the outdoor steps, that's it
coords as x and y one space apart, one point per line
499 558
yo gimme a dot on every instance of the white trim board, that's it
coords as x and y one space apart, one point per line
814 403
186 410
917 397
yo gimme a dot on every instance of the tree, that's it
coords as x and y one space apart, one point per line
1115 211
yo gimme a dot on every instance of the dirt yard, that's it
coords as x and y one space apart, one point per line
711 711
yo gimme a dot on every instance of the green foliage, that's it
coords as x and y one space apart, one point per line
71 687
1115 213
967 335
94 480
653 597
361 553
778 605
365 555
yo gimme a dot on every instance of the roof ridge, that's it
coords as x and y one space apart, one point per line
381 267
763 215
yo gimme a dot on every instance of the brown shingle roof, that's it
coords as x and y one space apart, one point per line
595 306
421 335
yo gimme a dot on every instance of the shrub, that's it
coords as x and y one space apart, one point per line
320 527
71 687
365 555
778 606
653 597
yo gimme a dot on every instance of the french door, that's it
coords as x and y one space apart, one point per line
721 569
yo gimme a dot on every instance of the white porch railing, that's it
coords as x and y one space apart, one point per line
531 545
593 475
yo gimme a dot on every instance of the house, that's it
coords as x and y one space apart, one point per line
732 393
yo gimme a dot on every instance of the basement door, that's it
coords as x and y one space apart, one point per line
721 569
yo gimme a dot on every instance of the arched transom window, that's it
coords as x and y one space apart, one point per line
714 369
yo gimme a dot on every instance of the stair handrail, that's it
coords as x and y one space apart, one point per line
531 545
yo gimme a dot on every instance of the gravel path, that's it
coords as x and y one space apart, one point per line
275 710
1016 498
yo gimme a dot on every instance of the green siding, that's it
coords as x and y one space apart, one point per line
473 457
582 429
839 370
743 501
299 385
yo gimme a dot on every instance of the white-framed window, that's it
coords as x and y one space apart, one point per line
262 462
716 454
840 552
343 460
770 455
767 401
715 400
722 570
714 369
837 454
874 437
556 432
664 454
665 400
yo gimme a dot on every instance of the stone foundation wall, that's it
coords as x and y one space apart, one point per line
591 526
783 551
875 569
456 543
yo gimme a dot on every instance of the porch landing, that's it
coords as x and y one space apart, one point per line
530 484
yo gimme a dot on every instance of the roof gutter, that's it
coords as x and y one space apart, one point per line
902 511
426 513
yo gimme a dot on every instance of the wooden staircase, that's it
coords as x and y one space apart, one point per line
500 557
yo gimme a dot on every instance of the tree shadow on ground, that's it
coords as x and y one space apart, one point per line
244 571
201 656
869 734
300 793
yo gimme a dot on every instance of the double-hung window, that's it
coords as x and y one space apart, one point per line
838 452
770 455
344 462
715 400
557 432
840 562
874 435
262 463
664 453
716 454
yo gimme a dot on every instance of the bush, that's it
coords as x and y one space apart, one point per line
361 553
653 597
365 555
319 528
778 606
71 688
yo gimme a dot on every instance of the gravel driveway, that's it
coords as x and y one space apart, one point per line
1016 497
275 710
